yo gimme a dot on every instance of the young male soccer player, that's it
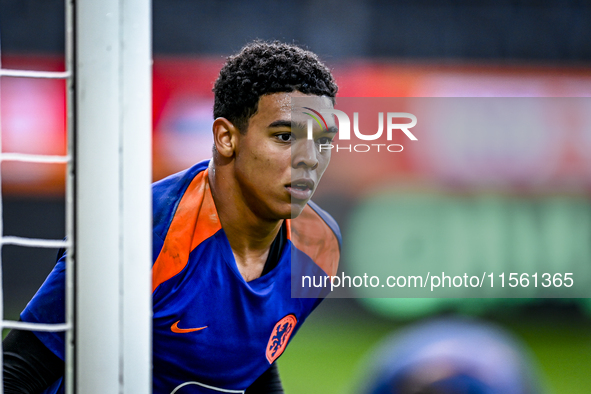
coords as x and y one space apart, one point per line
224 239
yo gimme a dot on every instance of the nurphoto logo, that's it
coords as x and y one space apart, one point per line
344 133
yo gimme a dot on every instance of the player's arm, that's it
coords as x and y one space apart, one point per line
268 383
29 366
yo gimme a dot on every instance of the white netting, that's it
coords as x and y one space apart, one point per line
8 239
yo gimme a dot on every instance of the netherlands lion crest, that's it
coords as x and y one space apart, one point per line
280 336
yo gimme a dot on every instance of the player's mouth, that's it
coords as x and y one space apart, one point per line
301 189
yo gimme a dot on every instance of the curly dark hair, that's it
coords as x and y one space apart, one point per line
263 68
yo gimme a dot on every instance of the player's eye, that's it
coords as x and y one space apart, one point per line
325 140
285 137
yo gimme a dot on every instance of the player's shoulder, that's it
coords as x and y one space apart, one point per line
175 184
325 217
317 234
167 193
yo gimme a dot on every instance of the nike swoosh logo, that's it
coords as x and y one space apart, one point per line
175 328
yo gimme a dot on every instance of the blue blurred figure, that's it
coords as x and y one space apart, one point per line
451 356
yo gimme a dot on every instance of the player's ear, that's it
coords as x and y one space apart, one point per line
225 136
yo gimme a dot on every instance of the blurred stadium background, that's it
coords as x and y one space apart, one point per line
377 49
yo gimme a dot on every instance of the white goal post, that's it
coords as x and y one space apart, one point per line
112 206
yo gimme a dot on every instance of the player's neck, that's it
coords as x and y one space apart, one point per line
250 236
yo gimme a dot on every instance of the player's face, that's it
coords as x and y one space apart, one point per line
277 167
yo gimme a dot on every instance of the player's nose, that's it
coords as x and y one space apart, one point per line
304 154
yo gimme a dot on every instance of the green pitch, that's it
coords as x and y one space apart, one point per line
325 354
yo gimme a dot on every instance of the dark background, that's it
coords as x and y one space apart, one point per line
531 31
